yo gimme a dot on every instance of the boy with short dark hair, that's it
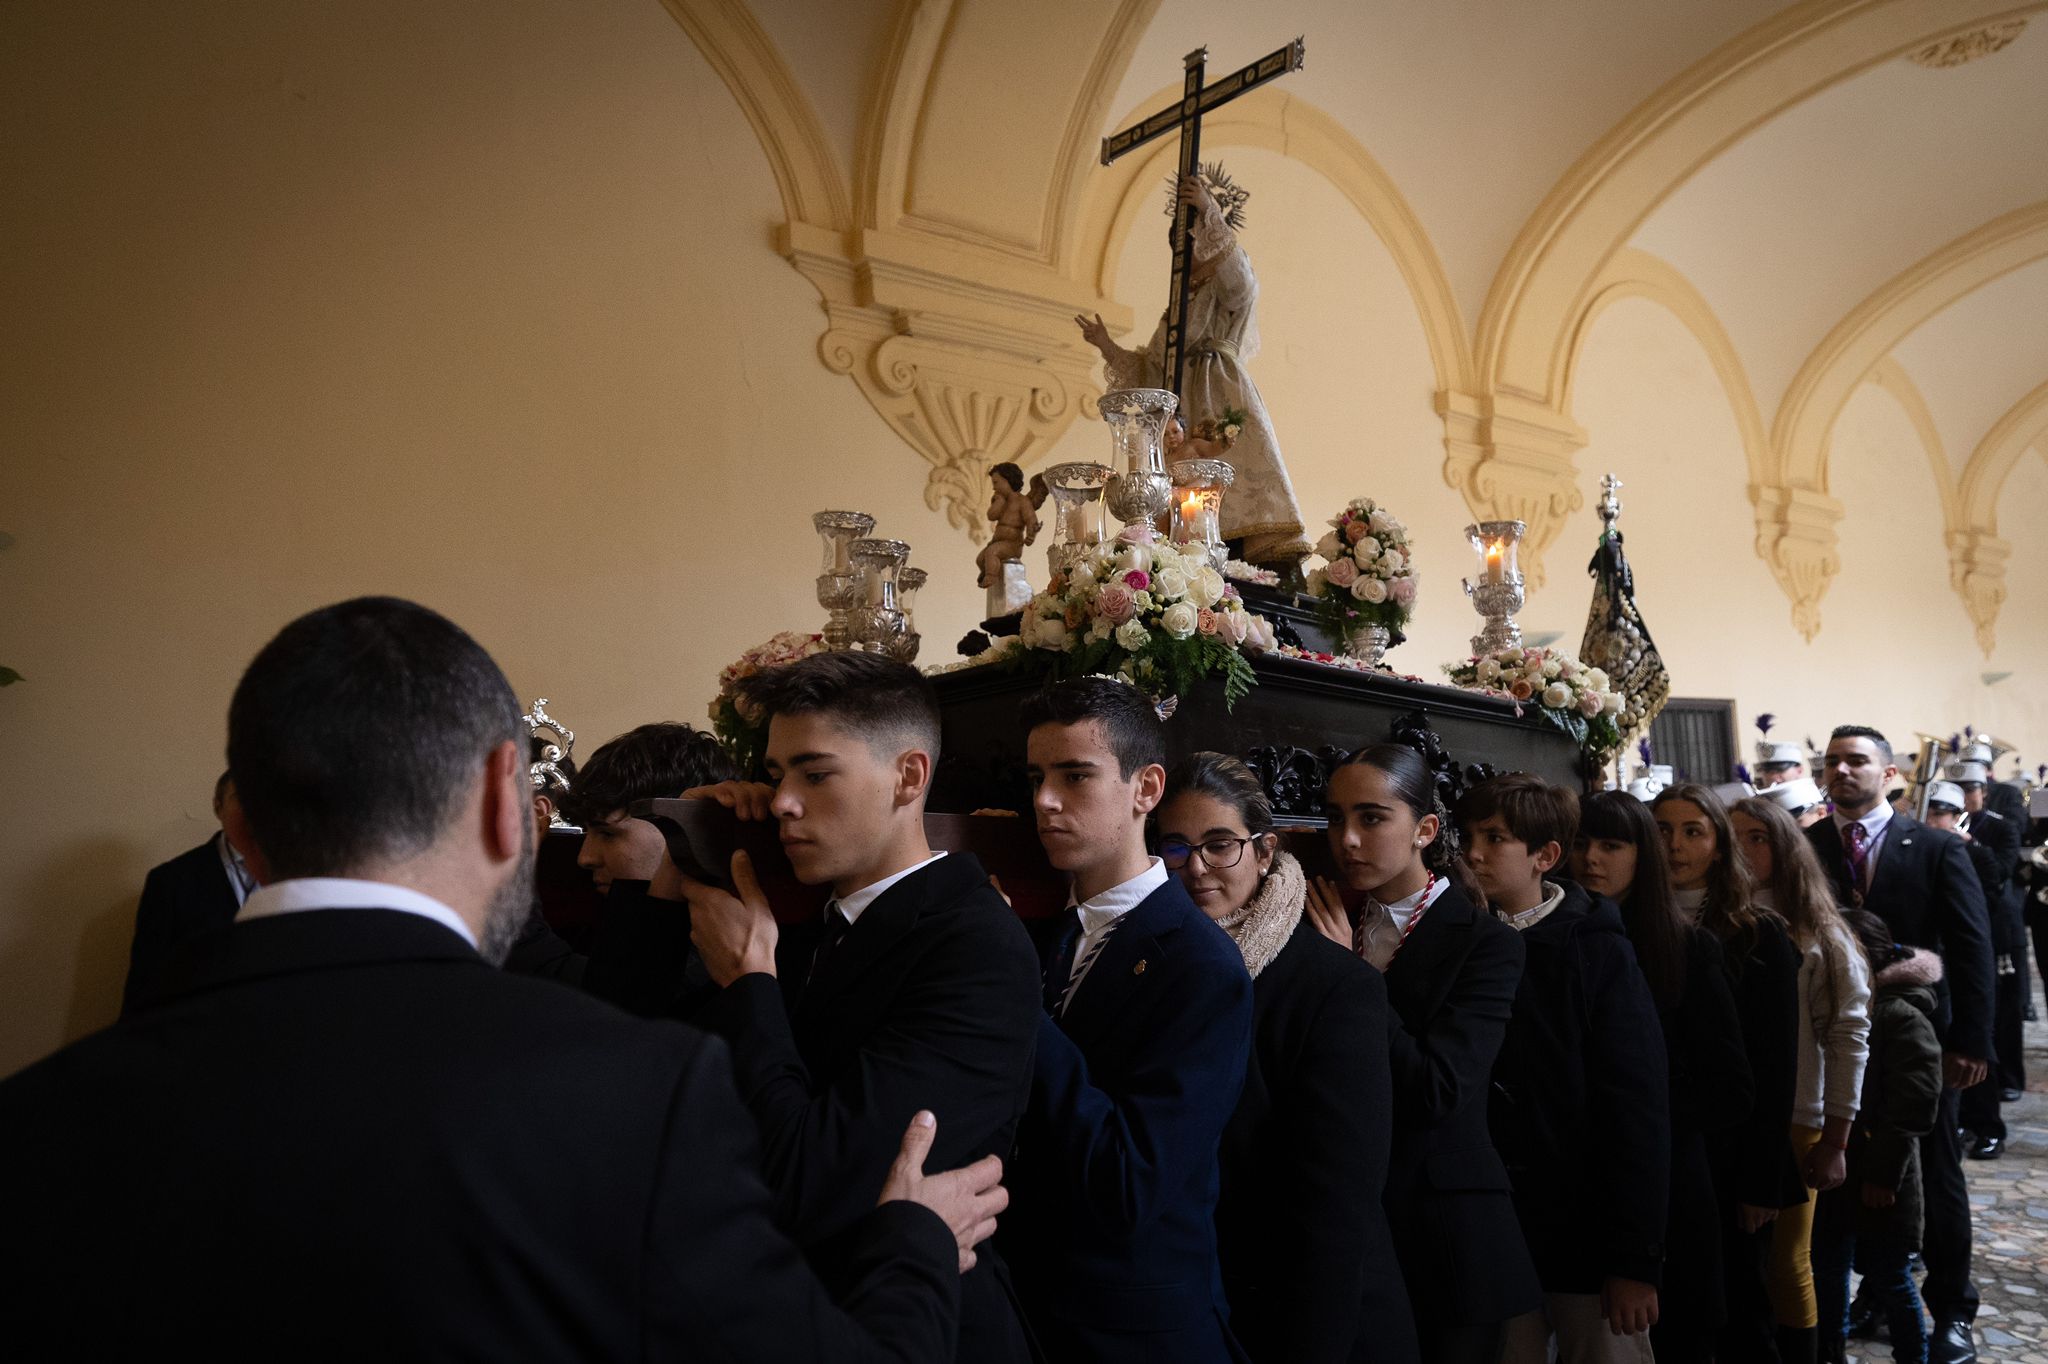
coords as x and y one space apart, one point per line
658 760
1141 1055
1580 1111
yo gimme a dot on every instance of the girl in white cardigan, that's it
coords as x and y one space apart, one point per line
1834 1041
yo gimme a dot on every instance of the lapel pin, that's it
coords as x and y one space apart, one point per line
1139 969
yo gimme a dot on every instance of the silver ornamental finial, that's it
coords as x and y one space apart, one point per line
1610 500
546 774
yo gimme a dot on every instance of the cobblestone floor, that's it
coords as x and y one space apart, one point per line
2009 1204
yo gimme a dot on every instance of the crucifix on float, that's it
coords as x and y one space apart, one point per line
1196 99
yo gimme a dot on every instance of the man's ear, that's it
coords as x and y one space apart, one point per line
1549 855
913 776
507 802
235 824
1151 788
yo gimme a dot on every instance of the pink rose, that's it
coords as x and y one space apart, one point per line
1354 531
1342 572
1404 591
1114 603
1137 580
1137 533
1206 621
1233 626
1521 689
1231 593
1589 704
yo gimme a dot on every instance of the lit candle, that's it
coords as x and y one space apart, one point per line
1496 564
1191 516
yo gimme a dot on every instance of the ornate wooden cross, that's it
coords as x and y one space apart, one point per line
1196 99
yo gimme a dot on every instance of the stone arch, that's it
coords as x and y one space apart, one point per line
1991 463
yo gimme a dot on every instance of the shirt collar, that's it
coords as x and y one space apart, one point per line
1553 896
852 905
1100 911
335 892
1408 906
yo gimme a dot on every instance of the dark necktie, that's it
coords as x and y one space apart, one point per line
1060 967
1858 847
834 933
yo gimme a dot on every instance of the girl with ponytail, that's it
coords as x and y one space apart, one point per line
1451 971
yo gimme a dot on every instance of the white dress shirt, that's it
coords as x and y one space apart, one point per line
1876 823
334 892
1553 896
1382 927
1099 913
853 905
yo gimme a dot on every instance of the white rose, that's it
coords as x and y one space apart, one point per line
1099 630
1137 558
1551 667
1596 679
1379 521
1611 703
1372 590
1557 696
1489 671
1511 654
1170 584
1366 550
1392 562
1328 546
1051 634
1179 619
1133 635
1206 587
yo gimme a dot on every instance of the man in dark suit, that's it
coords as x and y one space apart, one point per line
336 1132
194 893
1140 1058
919 989
1994 848
1920 882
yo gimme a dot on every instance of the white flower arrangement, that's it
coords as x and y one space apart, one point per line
1368 577
1577 699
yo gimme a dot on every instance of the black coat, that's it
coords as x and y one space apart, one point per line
1452 987
931 1001
1926 891
1308 1261
1753 1160
339 1134
186 897
1994 848
1710 1093
1901 1102
1112 1221
1581 1110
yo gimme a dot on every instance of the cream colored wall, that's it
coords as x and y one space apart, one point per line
480 306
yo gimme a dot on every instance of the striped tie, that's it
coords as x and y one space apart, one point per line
1081 969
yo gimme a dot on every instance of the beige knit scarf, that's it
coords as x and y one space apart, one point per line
1267 920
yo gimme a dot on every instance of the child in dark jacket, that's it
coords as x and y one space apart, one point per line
1874 1217
1579 1109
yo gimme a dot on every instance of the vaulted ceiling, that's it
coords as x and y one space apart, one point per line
1829 193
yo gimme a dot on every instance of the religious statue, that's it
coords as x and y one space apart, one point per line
1013 518
1261 510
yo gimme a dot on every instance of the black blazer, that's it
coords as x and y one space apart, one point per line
1925 888
1111 1228
1994 849
392 1151
930 1001
1452 987
1581 1109
1308 1261
1753 1162
186 897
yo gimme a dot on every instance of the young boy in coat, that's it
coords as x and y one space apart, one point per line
1579 1113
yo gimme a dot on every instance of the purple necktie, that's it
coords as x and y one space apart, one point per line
1859 858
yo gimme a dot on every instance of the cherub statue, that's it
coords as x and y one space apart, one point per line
1013 515
1222 333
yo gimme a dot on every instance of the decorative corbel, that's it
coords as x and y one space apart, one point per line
1512 461
1795 535
972 362
1976 569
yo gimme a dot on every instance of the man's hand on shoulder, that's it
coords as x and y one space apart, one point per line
747 799
968 1200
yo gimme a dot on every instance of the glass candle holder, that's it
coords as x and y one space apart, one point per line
838 583
908 581
1497 591
1140 490
877 624
1198 488
1078 529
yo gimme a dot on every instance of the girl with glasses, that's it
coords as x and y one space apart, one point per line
1308 1263
1451 973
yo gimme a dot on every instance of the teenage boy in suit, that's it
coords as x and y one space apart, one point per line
1920 882
1580 1112
917 990
194 893
1141 1054
391 1149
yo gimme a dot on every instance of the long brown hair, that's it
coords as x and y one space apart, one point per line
1650 916
1803 895
1416 787
1730 911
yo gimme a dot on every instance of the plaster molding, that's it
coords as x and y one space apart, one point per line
1795 535
1976 569
1992 462
1870 331
1969 47
1513 460
1543 285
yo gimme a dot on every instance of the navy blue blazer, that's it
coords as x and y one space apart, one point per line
1111 1229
